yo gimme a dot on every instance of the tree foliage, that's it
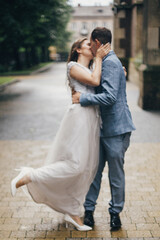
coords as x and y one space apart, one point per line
30 26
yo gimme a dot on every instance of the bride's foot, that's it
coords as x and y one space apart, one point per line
22 179
76 221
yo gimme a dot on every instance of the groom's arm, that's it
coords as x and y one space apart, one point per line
110 85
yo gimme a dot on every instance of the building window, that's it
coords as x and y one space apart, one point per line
94 25
122 43
84 25
84 30
105 24
122 22
122 1
74 25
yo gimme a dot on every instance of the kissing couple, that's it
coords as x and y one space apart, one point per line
95 129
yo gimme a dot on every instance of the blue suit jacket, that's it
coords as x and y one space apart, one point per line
111 96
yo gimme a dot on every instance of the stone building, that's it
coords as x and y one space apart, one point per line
137 43
127 30
85 18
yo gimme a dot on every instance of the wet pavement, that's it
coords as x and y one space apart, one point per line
30 114
33 108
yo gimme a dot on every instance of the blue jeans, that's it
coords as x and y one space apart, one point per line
112 150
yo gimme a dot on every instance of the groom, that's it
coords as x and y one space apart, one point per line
116 130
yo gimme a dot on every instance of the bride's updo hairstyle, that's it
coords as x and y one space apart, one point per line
73 56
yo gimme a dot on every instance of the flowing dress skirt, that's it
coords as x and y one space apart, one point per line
64 181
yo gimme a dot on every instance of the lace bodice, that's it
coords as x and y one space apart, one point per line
78 86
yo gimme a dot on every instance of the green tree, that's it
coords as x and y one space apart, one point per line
28 27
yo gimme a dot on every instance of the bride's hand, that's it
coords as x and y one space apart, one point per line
103 50
125 71
73 91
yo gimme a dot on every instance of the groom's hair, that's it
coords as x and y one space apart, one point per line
102 34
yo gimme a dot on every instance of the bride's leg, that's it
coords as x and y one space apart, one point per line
23 181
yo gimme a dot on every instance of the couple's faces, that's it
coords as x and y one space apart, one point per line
89 48
86 49
93 46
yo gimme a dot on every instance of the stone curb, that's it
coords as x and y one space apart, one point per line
43 69
3 86
39 70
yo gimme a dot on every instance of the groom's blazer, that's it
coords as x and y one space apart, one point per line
111 96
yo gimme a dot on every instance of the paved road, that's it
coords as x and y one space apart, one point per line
30 114
33 108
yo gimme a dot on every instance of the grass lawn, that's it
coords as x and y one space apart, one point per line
5 80
27 71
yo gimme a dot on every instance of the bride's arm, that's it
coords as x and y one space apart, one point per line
93 78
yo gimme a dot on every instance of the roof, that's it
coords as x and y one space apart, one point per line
92 11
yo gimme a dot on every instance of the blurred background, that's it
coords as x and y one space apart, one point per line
34 33
35 39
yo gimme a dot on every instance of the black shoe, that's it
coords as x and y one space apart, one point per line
88 218
115 222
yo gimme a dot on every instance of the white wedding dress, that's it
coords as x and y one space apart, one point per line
72 163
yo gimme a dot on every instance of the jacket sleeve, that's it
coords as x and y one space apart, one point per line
110 84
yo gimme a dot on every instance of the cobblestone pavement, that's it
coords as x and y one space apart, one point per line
29 119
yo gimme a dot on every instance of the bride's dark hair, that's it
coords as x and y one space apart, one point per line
73 56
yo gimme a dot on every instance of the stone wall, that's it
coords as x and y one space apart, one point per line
133 72
128 32
149 81
150 75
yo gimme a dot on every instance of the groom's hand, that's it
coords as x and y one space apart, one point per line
76 97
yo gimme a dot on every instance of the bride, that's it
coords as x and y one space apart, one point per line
63 183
